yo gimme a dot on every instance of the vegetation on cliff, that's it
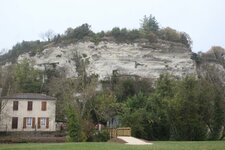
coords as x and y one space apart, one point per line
172 108
149 30
187 108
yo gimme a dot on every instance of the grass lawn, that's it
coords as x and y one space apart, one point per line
206 145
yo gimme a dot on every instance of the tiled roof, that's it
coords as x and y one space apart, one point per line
31 96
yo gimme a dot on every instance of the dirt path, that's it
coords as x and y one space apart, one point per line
133 141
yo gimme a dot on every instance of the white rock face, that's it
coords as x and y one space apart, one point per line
141 59
206 68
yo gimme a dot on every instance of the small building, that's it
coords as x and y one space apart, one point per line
27 112
113 122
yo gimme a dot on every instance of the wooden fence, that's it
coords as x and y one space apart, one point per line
114 132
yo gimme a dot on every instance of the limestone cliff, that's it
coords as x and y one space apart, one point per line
140 58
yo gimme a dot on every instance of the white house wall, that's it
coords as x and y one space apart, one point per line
8 113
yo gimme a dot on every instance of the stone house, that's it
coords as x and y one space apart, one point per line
27 112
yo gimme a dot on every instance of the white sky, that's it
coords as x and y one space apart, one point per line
203 20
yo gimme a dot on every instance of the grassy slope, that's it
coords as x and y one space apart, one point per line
207 145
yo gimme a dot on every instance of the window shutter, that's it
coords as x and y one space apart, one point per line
15 105
33 122
29 105
43 106
39 123
24 122
14 122
47 123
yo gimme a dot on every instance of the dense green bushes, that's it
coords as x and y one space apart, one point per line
175 109
99 136
79 33
31 47
73 125
187 109
171 109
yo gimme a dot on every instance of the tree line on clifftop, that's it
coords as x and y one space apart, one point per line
149 30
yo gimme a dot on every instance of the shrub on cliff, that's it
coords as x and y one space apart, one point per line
149 24
79 32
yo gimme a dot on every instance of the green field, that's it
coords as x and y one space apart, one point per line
206 145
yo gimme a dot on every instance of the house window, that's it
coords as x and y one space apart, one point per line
15 105
43 122
14 122
28 121
29 105
43 106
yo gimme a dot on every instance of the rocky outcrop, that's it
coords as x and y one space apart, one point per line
140 58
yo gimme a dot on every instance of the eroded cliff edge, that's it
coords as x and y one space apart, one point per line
140 58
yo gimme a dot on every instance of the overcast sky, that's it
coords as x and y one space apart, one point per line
203 20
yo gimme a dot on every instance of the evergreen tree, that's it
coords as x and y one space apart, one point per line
149 24
73 125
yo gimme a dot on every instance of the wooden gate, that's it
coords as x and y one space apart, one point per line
126 131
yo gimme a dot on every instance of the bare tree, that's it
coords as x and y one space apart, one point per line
6 84
48 35
2 105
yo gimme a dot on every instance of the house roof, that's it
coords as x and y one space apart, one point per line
30 96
